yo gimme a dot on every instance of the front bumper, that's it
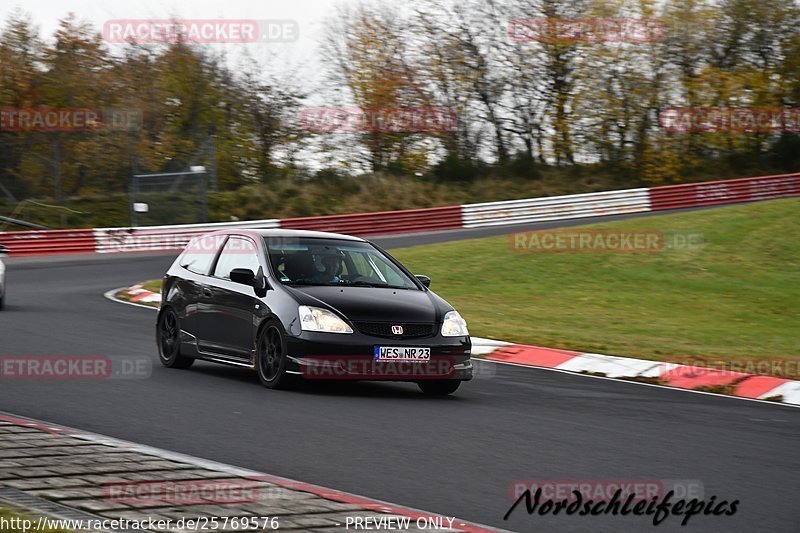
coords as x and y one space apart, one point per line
316 355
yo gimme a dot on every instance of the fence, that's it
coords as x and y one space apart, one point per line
24 243
556 208
724 192
413 220
154 238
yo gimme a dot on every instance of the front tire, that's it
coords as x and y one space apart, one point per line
169 341
439 387
271 358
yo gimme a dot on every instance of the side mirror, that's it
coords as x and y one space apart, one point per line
260 283
425 280
244 276
3 250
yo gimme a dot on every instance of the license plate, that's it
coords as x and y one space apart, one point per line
402 353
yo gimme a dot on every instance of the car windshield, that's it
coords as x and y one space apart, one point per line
311 261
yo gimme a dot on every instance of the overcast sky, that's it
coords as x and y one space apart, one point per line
297 62
298 56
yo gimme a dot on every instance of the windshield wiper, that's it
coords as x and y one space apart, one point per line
363 283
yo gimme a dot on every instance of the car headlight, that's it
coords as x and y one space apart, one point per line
454 325
316 319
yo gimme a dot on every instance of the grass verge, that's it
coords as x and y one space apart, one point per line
738 297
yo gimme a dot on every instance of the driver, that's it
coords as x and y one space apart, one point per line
332 264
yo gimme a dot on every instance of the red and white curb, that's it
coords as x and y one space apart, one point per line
135 296
696 378
138 294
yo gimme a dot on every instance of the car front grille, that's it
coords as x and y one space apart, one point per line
384 329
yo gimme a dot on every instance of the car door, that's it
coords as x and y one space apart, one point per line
228 318
196 262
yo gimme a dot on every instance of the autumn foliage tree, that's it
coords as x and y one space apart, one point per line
522 104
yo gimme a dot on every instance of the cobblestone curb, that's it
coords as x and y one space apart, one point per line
80 471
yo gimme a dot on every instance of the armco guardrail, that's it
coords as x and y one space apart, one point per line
155 238
24 243
724 192
556 208
412 220
151 238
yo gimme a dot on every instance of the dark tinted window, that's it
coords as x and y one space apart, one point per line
200 252
238 252
310 261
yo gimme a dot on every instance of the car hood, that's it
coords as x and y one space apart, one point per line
369 304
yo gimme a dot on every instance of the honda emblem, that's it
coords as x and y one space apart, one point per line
397 330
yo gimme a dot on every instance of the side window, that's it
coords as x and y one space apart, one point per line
237 253
199 253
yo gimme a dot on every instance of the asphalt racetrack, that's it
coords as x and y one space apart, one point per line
457 456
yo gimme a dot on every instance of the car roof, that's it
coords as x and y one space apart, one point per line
286 233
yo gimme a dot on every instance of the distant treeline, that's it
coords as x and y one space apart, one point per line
535 88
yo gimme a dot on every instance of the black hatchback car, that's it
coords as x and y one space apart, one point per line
308 305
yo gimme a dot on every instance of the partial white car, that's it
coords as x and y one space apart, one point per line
3 252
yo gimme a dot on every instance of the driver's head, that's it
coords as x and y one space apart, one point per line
332 264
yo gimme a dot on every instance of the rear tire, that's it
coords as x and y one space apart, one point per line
169 341
439 387
271 358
